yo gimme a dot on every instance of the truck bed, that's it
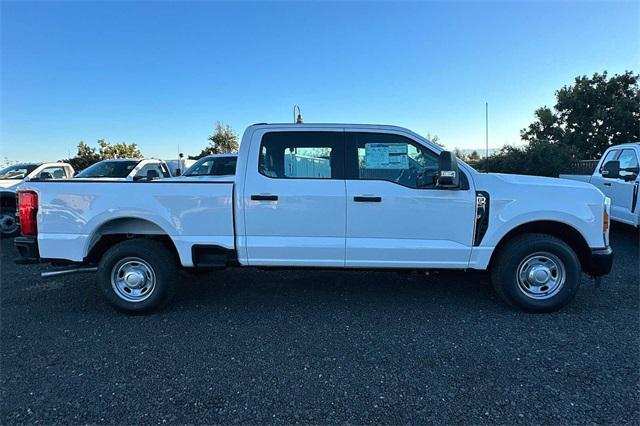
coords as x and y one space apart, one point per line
74 213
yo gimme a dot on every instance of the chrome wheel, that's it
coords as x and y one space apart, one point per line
133 279
541 275
8 223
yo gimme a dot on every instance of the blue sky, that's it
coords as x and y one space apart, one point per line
160 74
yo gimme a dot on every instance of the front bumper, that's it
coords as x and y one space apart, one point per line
28 249
599 262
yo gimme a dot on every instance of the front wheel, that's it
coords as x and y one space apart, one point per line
138 275
536 272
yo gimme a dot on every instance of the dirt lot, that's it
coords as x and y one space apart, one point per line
320 347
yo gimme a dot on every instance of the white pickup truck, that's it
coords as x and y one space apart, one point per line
323 196
617 175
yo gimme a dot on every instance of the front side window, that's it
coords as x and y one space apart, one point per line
394 158
302 155
611 155
628 163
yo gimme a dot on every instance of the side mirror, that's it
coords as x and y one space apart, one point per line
611 169
448 173
178 172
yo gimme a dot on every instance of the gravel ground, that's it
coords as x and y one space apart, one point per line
248 346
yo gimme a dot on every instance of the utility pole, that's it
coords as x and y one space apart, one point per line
486 125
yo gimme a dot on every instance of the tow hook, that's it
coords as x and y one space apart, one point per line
52 274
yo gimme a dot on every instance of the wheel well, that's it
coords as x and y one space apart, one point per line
562 231
122 229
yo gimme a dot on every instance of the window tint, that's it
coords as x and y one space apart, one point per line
302 155
628 163
611 155
394 158
53 173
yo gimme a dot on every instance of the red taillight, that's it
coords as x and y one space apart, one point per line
28 209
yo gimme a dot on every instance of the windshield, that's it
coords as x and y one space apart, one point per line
213 166
18 171
109 169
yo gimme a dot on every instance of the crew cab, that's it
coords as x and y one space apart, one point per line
323 196
617 175
128 169
11 177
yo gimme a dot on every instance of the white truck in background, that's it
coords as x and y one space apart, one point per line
11 177
367 197
617 175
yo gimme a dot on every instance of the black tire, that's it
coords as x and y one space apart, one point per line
146 258
516 292
8 215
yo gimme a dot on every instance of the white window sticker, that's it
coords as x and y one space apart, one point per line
386 156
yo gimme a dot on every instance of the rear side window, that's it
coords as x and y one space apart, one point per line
53 173
153 170
302 155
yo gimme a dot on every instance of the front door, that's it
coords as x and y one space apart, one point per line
295 203
625 190
396 218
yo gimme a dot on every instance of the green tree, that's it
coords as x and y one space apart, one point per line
591 115
87 155
118 150
223 141
435 139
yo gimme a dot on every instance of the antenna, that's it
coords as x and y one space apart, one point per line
486 125
297 119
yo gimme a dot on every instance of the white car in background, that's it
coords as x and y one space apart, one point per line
11 177
126 169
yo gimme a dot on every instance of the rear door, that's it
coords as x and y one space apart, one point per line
294 199
396 217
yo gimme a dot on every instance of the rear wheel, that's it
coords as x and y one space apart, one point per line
536 272
138 275
9 227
